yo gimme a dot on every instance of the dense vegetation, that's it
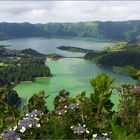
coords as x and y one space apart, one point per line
120 58
24 65
82 117
73 49
54 56
124 30
25 69
5 53
31 52
120 55
91 55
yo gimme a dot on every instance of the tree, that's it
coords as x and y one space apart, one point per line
38 102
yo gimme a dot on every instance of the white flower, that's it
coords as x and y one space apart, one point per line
84 125
38 125
105 134
72 127
94 135
15 127
87 131
36 118
30 125
65 106
18 138
23 129
27 115
59 113
77 104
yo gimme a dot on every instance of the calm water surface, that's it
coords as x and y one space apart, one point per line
47 46
71 74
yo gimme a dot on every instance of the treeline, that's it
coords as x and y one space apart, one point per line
4 52
120 58
92 54
121 30
121 55
73 49
31 52
25 69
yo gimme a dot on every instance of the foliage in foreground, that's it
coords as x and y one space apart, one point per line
82 117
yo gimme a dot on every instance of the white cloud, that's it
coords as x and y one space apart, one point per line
33 14
68 11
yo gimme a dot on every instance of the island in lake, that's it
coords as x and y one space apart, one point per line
73 49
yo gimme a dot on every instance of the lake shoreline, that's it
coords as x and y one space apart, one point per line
30 82
71 74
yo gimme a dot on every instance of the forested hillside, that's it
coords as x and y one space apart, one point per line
103 30
120 55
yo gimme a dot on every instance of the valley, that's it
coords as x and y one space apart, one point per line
69 70
72 74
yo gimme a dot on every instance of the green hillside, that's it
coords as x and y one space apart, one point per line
120 30
120 55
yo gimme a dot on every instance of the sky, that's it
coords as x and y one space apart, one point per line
68 11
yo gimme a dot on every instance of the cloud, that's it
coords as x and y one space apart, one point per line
68 11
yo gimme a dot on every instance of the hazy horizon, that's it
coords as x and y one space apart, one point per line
72 22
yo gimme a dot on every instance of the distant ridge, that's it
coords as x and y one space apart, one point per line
112 30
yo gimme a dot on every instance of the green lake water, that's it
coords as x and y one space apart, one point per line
71 74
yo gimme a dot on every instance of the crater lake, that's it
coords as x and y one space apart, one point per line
71 74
